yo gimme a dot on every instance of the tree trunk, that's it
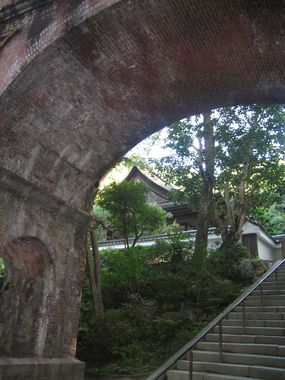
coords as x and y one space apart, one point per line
94 274
235 220
207 172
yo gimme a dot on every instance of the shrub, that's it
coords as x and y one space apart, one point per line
155 303
252 269
225 262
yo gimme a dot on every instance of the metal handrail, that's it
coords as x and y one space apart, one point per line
161 371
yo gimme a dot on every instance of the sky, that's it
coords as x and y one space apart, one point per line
151 147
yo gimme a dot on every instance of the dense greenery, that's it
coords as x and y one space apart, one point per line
155 300
272 218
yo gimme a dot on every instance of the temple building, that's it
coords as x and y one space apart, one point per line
254 237
159 194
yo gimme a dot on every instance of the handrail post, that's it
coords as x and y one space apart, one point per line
276 279
220 342
261 297
191 365
243 316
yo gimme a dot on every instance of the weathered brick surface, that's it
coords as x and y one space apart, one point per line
123 73
99 82
42 243
38 29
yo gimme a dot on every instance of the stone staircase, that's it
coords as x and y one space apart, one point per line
247 341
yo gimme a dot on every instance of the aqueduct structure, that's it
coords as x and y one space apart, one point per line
81 82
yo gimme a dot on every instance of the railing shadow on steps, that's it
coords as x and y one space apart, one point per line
160 373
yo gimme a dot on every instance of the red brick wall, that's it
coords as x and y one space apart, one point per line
97 85
123 73
39 28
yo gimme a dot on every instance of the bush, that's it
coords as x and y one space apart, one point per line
252 269
226 261
123 273
173 248
155 302
106 337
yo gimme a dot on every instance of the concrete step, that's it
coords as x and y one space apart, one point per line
272 286
256 352
234 358
257 296
279 272
266 292
257 316
266 302
271 281
258 309
257 339
245 348
273 331
261 372
280 276
184 375
254 323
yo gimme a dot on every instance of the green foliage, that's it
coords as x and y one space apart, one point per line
155 303
1 271
1 265
272 218
249 147
102 216
174 246
251 269
132 160
129 213
123 274
226 261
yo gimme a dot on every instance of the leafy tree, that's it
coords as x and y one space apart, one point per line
226 163
251 145
130 214
272 218
135 160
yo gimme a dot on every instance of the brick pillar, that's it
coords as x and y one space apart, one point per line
42 242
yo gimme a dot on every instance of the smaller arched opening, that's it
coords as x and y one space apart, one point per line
24 296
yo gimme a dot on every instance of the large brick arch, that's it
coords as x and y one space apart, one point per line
102 76
125 72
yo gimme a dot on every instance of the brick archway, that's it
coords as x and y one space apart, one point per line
103 75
